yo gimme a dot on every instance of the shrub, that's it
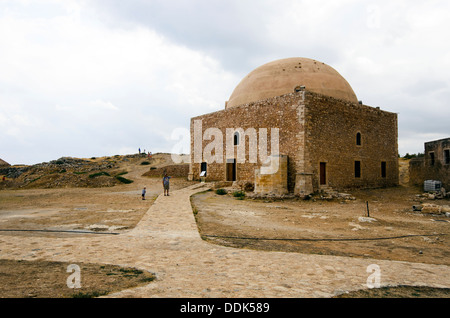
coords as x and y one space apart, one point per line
98 174
145 163
239 194
221 191
92 294
124 180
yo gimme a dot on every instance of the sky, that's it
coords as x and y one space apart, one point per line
87 78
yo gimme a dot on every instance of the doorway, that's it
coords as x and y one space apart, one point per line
323 173
231 169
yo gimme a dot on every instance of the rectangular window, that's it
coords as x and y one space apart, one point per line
447 156
383 169
432 158
357 169
323 173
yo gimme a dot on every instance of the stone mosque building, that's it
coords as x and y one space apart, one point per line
323 136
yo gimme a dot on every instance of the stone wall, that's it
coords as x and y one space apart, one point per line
332 126
313 128
3 163
279 112
175 171
425 168
273 177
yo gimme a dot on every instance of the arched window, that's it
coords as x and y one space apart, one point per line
358 139
236 138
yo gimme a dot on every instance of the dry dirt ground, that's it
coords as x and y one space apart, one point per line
395 232
67 211
379 224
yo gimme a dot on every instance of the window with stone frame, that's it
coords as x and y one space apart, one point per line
236 138
447 156
358 139
357 169
383 169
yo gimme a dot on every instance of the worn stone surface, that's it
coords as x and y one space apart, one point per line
167 243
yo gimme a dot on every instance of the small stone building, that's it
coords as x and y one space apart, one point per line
434 165
303 116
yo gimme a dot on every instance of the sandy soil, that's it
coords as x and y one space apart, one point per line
393 232
97 279
336 227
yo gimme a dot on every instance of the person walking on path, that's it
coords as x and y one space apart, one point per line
166 184
144 191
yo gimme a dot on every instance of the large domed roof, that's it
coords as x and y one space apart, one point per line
283 76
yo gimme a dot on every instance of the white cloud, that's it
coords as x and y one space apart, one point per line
92 77
94 87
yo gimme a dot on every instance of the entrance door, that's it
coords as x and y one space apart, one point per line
231 169
323 173
203 168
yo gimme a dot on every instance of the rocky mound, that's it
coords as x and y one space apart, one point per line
68 172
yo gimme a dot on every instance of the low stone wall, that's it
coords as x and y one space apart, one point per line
176 171
420 171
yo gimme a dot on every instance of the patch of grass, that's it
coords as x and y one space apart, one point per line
92 294
122 173
221 191
147 279
35 179
131 270
79 172
98 174
399 292
152 168
239 194
124 180
145 163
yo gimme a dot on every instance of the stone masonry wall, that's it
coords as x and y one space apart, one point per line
422 169
331 128
280 112
313 128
